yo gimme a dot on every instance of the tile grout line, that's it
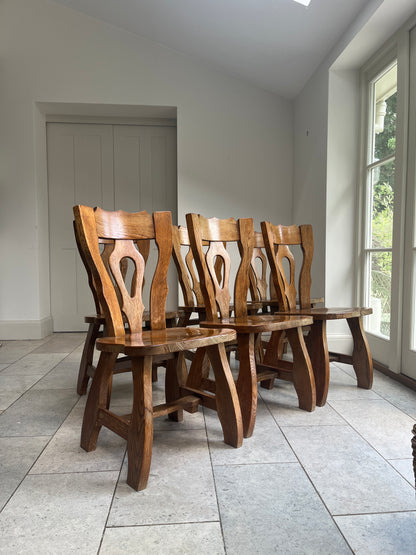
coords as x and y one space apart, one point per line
372 446
112 501
309 478
215 483
33 436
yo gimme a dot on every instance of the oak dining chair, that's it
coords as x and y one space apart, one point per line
123 308
279 242
208 236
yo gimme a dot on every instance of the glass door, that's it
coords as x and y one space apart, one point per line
409 283
380 273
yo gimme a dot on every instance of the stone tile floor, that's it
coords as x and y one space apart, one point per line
338 480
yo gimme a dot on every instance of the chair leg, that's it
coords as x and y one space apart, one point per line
197 368
361 356
87 358
303 378
174 378
259 347
97 399
228 406
206 366
272 355
140 434
318 352
247 382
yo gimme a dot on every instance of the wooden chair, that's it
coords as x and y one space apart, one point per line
96 322
278 241
144 347
217 298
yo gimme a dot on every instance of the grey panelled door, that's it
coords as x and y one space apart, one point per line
126 167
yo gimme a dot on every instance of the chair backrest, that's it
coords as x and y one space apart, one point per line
124 233
259 285
187 276
86 266
187 273
209 237
278 240
106 250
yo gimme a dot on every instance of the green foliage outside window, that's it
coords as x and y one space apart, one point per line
382 216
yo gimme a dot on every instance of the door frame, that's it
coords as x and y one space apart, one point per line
70 112
389 353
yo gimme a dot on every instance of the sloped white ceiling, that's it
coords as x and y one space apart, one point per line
275 44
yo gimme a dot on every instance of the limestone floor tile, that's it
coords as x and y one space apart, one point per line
282 402
384 426
390 533
350 476
343 386
12 387
16 457
11 351
34 364
37 413
396 393
180 487
64 454
63 376
203 538
63 513
61 342
273 508
346 368
405 468
266 445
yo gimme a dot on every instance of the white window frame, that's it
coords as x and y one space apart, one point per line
386 351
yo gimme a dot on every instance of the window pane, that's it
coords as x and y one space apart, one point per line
380 293
382 191
385 112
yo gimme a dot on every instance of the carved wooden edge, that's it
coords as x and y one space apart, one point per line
180 238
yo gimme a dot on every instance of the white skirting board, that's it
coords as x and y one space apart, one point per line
338 343
25 329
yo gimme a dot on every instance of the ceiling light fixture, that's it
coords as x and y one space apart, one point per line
303 2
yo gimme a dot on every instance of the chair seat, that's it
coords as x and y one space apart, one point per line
260 323
337 313
169 340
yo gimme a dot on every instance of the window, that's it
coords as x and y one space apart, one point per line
388 237
379 209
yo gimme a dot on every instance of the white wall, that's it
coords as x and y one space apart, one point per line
309 186
234 140
326 160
